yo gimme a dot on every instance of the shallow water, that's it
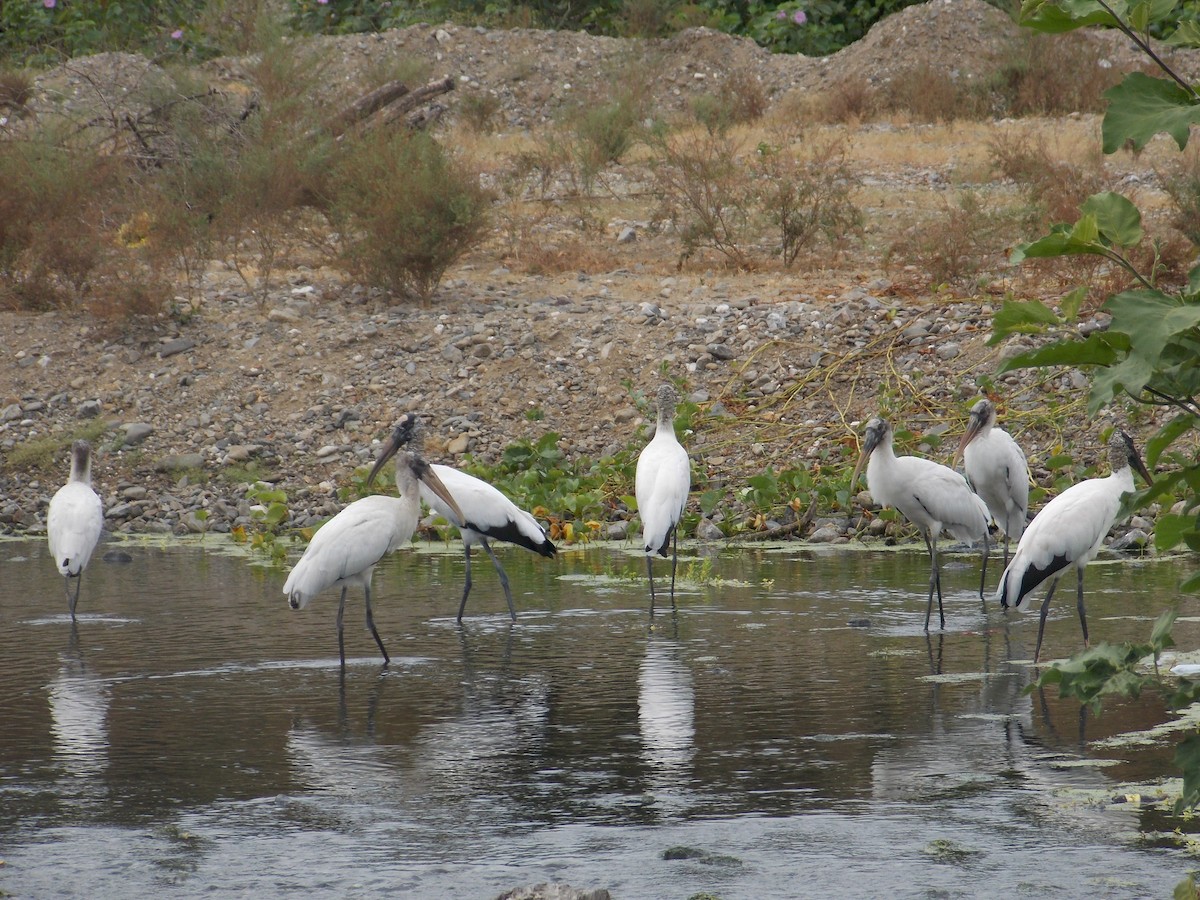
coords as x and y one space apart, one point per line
192 735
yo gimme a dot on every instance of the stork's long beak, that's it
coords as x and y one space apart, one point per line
428 477
870 442
1141 467
389 450
404 432
974 426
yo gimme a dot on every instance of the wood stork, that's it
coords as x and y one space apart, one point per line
345 549
486 515
997 471
662 483
74 522
1069 532
933 497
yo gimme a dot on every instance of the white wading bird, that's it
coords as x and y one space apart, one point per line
1068 532
486 514
931 496
662 483
74 522
345 549
997 471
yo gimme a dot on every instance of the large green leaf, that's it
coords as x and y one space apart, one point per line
1063 240
1166 436
1025 316
1095 350
1117 218
1141 106
1186 35
1067 15
1130 375
1152 320
1170 529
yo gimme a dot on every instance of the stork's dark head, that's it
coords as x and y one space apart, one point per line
407 431
983 416
879 431
1122 453
668 399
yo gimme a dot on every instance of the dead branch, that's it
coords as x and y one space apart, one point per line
782 531
402 106
366 106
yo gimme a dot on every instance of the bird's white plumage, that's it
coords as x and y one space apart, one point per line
1068 533
485 507
996 468
73 526
347 547
74 522
486 515
933 497
662 483
1071 527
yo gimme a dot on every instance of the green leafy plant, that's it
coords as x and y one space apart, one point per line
1150 351
269 513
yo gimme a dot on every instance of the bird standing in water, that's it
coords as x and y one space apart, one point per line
662 483
933 497
997 471
345 549
74 522
1068 533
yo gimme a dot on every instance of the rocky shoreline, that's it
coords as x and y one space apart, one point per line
296 391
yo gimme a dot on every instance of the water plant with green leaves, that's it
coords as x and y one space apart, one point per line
1150 352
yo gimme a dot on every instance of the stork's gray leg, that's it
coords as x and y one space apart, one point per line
1079 606
987 546
935 583
73 599
341 640
650 575
467 586
1037 650
371 624
674 560
512 610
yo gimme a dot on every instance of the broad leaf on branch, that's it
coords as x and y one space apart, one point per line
1141 107
1023 316
1117 218
1094 350
1067 15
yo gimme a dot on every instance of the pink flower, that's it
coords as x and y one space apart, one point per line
177 34
49 4
322 2
781 14
799 17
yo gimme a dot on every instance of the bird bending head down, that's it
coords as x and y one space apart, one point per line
411 469
878 432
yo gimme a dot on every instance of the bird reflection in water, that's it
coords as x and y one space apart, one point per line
667 721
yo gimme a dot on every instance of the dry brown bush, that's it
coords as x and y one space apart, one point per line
959 245
1054 187
406 210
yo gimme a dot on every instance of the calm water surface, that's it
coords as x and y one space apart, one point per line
192 735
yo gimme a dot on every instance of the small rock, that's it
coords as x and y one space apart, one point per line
88 409
707 531
628 235
178 462
170 348
617 531
458 445
137 432
826 534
